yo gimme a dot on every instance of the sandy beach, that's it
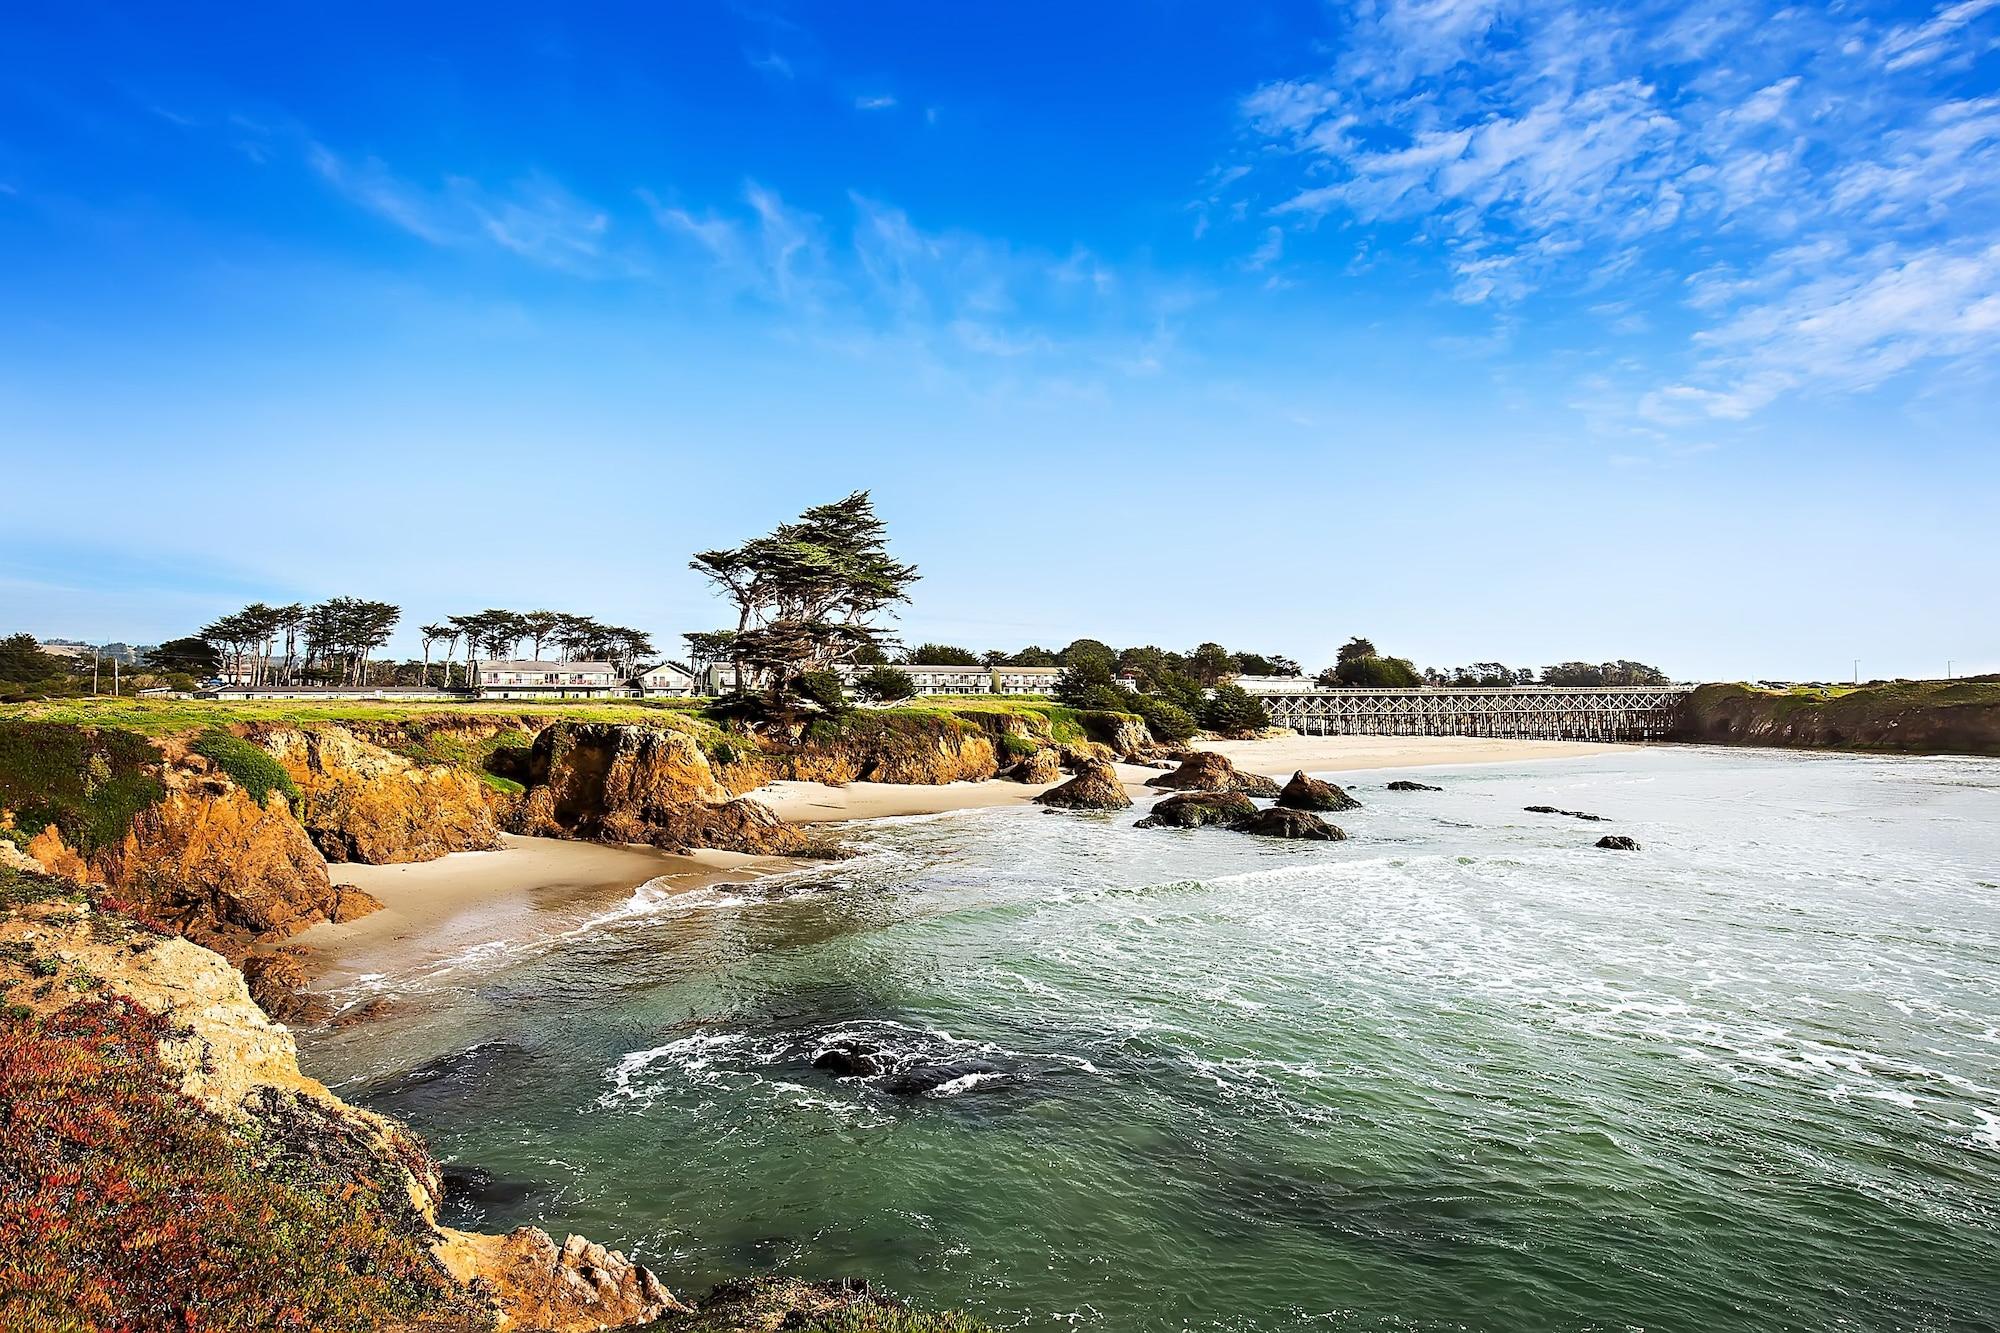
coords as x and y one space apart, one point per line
433 910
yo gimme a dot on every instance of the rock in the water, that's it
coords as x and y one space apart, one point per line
1205 770
1618 842
1309 793
1573 814
851 1059
1095 788
920 1079
1040 768
1278 822
1193 809
1404 784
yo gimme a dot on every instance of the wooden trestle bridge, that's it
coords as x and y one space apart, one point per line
1603 713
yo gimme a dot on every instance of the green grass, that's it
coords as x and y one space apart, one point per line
505 786
251 767
90 783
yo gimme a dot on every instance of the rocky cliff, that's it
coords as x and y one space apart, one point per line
363 802
1912 717
163 1160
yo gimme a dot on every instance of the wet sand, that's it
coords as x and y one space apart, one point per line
435 910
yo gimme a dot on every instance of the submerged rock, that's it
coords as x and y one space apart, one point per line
1304 792
921 1079
1573 814
1279 822
1404 784
851 1059
1618 842
1205 770
1194 809
1095 788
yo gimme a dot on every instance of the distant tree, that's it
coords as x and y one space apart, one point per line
192 656
1232 710
808 594
1144 664
538 626
885 684
940 654
1084 682
1211 664
431 634
1257 664
870 654
23 662
1082 650
1033 656
1356 647
1371 672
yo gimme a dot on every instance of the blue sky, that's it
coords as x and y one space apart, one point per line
1492 330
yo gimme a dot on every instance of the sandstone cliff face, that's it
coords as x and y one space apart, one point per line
1915 717
233 1062
220 868
620 783
363 803
214 865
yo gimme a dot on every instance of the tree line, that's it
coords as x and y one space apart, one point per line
332 642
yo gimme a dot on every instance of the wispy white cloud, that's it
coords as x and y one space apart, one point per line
875 102
534 218
1938 39
1833 227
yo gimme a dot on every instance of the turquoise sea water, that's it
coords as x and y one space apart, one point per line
1462 1071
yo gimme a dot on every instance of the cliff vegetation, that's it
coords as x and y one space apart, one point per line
1903 716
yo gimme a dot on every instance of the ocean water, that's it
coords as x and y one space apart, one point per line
1463 1071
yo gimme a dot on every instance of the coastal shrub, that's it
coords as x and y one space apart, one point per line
1233 710
88 783
886 684
23 888
824 688
249 766
130 1206
1015 747
1169 723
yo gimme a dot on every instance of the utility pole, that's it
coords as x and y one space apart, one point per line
1857 671
114 677
94 659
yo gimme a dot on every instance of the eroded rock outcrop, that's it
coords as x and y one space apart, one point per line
224 870
1095 788
361 802
575 1287
1205 770
1404 784
1198 809
1305 792
619 783
1042 767
1617 842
